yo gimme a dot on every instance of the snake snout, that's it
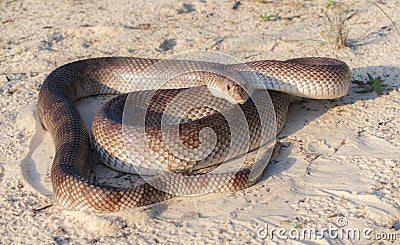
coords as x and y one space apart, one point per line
239 94
229 90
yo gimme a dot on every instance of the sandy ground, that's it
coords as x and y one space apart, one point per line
339 161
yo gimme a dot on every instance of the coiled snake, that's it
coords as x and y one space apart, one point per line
307 77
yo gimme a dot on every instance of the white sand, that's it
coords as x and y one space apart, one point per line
341 157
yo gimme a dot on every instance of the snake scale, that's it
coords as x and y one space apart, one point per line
321 78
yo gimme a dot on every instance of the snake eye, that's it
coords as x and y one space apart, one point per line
228 87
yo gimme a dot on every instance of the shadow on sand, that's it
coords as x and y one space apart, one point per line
304 111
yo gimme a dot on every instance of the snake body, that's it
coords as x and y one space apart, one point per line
73 190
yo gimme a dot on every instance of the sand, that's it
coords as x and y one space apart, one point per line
339 162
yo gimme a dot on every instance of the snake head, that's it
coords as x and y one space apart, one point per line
230 90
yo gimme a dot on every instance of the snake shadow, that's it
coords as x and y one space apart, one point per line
303 111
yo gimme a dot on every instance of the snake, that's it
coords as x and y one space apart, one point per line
310 77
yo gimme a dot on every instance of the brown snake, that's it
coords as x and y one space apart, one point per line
73 190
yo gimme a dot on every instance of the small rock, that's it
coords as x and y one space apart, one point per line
3 79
